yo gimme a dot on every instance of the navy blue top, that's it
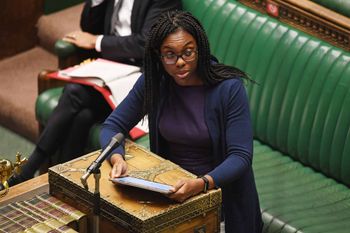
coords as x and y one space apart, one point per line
227 117
183 127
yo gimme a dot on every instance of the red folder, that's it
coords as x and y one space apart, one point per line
134 133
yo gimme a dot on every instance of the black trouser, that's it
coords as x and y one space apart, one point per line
68 127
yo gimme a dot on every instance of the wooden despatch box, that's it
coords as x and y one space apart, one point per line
129 209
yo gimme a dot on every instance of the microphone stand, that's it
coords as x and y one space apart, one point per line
96 210
96 196
94 168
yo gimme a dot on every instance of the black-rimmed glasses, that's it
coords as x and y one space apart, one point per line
171 58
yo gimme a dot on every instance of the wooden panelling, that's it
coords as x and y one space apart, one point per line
17 25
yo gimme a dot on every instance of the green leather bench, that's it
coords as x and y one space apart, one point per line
300 112
51 6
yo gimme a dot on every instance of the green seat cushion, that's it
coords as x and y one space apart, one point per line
295 197
46 103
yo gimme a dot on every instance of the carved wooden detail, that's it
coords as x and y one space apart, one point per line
135 210
308 17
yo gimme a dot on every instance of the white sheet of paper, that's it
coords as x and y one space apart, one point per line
103 69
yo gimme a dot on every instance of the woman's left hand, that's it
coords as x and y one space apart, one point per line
185 189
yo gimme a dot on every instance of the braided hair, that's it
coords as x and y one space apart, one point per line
209 72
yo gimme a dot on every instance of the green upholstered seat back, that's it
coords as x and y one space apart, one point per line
51 6
302 103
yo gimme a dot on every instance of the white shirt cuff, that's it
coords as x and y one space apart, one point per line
98 43
96 2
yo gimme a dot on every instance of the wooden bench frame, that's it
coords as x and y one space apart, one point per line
309 17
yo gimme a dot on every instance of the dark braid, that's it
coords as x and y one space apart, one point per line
168 23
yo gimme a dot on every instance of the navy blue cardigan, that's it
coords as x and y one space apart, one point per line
228 119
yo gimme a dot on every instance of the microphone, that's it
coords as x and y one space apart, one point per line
115 142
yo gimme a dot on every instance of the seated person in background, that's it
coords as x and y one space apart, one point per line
199 118
118 30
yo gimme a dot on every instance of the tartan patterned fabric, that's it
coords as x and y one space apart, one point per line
42 213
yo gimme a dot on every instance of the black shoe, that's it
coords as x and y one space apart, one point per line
15 179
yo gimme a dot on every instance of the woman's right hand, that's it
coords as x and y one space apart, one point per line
119 166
